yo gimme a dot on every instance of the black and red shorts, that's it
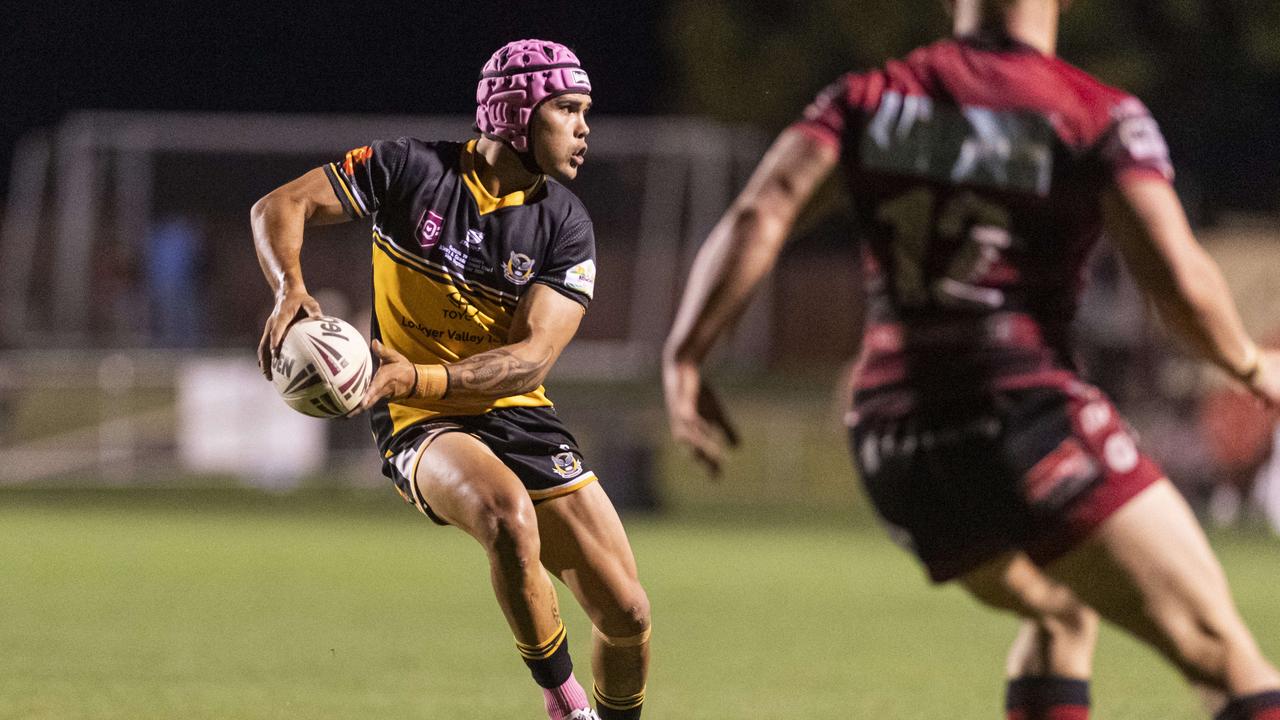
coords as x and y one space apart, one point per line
531 442
1034 469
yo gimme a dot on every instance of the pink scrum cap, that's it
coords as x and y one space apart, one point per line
519 77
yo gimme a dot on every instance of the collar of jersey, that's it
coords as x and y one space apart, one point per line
998 41
486 202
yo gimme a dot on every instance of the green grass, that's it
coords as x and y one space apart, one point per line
189 604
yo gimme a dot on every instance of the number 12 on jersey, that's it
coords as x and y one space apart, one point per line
976 228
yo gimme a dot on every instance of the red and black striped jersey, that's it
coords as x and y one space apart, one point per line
977 168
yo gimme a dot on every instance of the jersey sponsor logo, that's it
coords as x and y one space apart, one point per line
1120 452
456 257
911 135
566 464
1137 138
359 156
447 335
474 238
582 277
1095 416
1061 475
429 229
465 308
518 268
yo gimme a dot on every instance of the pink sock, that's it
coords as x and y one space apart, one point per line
565 699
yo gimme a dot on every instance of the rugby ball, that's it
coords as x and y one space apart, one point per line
323 367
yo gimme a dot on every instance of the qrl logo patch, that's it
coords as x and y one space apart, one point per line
429 229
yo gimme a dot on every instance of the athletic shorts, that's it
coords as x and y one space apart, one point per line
531 442
1035 469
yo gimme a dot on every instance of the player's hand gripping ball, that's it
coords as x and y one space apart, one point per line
322 368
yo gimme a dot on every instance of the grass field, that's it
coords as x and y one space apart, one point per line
216 604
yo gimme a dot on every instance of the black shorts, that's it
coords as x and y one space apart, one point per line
531 442
1035 469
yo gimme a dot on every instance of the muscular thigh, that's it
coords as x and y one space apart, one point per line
464 483
1150 569
584 544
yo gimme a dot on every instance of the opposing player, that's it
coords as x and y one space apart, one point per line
982 170
483 264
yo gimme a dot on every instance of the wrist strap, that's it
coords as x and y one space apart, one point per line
432 382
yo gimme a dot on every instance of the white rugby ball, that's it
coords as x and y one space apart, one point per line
323 367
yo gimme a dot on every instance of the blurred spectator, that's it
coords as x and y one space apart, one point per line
1266 486
172 270
1111 323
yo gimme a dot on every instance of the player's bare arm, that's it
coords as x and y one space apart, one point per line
278 220
739 252
544 323
1147 222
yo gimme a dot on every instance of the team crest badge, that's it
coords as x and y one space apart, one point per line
518 268
566 465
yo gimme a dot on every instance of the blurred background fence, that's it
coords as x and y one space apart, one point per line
129 327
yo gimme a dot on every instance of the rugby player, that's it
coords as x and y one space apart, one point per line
982 170
483 265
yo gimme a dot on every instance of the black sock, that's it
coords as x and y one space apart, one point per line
549 661
1047 698
1260 706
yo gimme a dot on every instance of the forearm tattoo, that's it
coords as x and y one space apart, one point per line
494 374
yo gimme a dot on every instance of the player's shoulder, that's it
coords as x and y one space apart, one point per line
410 161
1001 71
426 153
1089 89
1095 105
938 51
562 202
919 72
863 89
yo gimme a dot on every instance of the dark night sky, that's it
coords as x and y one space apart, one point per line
424 57
321 56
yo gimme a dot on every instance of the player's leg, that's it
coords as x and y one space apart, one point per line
585 546
1149 569
1051 661
466 485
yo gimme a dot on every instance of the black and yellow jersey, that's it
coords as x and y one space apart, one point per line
451 261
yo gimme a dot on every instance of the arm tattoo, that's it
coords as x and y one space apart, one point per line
495 374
